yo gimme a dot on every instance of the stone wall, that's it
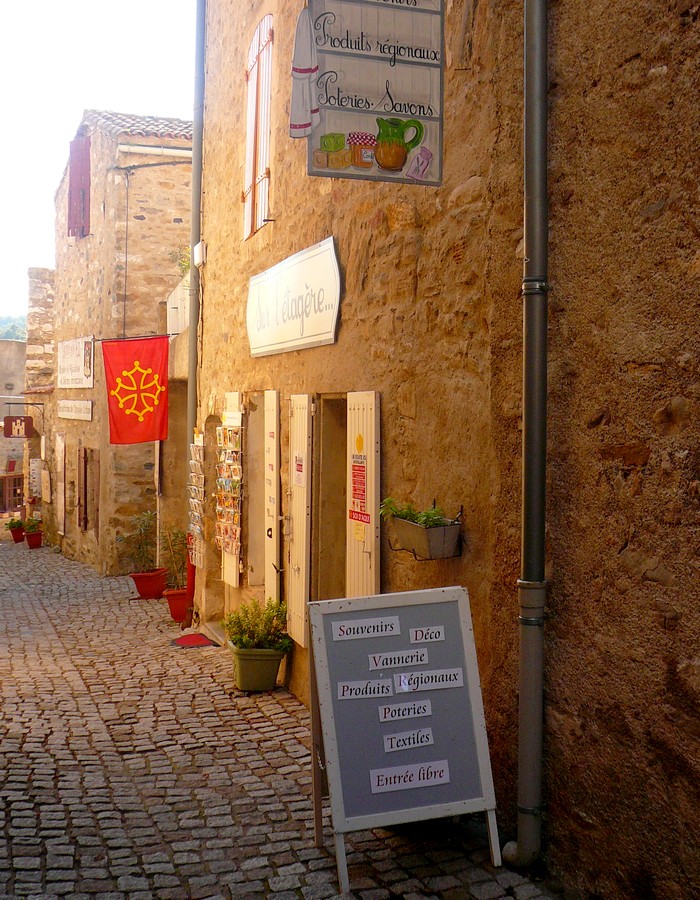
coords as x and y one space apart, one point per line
40 328
113 283
431 318
12 364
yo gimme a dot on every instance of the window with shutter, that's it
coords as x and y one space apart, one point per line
79 188
257 168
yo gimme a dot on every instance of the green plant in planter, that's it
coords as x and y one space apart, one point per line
13 524
427 534
173 549
32 525
256 627
433 517
140 544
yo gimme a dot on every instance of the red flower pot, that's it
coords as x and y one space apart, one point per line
150 585
34 539
17 534
178 603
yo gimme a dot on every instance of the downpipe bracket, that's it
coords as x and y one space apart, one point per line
534 286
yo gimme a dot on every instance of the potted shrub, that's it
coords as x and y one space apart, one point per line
173 549
33 532
16 529
139 547
257 636
428 534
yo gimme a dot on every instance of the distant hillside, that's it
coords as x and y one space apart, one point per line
13 328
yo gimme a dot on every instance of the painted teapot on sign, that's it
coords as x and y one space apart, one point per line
392 147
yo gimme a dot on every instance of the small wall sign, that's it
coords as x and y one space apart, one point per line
75 409
76 363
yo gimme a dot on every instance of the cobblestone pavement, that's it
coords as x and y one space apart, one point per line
131 768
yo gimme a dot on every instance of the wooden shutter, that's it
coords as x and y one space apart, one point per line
82 488
362 544
255 194
79 188
272 495
299 522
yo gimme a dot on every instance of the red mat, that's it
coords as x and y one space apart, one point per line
193 640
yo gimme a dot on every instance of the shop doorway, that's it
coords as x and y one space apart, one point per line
329 499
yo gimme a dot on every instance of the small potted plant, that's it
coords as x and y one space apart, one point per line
173 550
428 534
257 636
140 549
33 533
16 529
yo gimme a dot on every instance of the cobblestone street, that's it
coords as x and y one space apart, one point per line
130 767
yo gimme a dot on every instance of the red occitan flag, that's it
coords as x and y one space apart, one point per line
136 375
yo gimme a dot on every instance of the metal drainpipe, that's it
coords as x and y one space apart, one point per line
196 225
532 585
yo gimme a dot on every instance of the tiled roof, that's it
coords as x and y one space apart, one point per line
115 124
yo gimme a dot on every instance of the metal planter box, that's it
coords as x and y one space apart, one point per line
438 542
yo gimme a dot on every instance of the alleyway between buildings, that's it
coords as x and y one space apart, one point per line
132 768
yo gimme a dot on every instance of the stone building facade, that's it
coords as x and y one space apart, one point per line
12 365
116 264
431 326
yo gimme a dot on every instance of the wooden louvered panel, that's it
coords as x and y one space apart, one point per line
362 574
299 523
272 495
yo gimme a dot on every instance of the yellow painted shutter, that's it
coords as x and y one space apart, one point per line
299 527
362 543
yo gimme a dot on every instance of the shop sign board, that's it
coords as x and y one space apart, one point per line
76 363
75 409
379 89
18 427
401 670
295 304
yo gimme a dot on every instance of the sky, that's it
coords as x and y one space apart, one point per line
57 59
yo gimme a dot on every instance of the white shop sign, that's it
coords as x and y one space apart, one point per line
401 670
75 363
295 304
75 409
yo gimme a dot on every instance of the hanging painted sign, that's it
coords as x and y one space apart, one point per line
378 89
75 363
295 303
18 427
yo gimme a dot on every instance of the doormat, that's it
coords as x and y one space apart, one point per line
194 640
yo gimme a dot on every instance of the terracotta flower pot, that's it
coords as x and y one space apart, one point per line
17 535
178 603
150 585
34 539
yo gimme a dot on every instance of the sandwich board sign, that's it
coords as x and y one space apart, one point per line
401 671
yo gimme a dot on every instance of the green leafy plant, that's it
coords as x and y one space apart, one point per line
173 548
182 256
14 523
32 525
140 545
428 518
254 626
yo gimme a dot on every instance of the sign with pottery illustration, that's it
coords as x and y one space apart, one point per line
367 89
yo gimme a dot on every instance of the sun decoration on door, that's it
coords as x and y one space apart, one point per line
138 393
